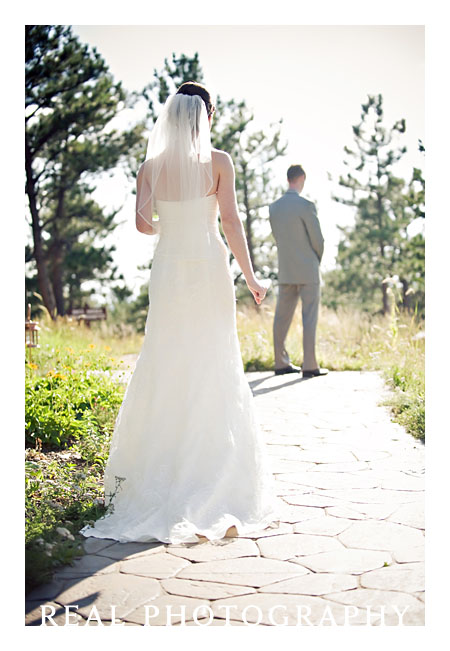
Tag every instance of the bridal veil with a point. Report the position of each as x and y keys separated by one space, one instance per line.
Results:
x=178 y=165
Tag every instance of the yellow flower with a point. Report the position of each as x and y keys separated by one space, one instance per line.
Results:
x=50 y=373
x=61 y=376
x=91 y=346
x=70 y=350
x=107 y=347
x=32 y=365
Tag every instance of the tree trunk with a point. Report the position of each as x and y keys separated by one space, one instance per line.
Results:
x=385 y=299
x=57 y=258
x=45 y=287
x=406 y=298
x=57 y=282
x=70 y=300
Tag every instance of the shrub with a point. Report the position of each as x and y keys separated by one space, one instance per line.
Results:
x=71 y=400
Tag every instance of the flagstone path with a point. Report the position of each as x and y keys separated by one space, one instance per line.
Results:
x=349 y=548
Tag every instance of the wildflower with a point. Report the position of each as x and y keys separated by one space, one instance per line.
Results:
x=91 y=346
x=32 y=365
x=107 y=347
x=70 y=350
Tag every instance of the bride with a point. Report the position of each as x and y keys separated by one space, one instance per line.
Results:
x=187 y=461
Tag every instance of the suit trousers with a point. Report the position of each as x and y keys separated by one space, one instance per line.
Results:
x=288 y=296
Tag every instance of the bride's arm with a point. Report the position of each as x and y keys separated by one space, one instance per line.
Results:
x=232 y=225
x=144 y=216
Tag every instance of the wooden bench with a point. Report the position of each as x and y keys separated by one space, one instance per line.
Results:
x=87 y=314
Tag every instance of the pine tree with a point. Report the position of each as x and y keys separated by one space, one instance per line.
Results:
x=166 y=81
x=71 y=100
x=373 y=249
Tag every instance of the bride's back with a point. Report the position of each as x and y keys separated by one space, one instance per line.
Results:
x=189 y=229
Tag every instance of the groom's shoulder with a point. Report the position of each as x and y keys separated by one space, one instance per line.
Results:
x=275 y=203
x=291 y=197
x=306 y=202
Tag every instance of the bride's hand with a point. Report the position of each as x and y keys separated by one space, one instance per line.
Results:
x=257 y=289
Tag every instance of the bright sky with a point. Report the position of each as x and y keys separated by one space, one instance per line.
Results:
x=314 y=77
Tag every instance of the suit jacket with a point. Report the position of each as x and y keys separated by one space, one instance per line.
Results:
x=299 y=238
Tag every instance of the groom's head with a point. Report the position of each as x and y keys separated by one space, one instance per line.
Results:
x=296 y=177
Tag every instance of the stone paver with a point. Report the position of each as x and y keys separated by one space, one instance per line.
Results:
x=254 y=572
x=232 y=548
x=296 y=544
x=394 y=604
x=350 y=561
x=158 y=566
x=406 y=577
x=313 y=584
x=35 y=615
x=375 y=534
x=122 y=551
x=88 y=565
x=286 y=609
x=411 y=514
x=167 y=610
x=126 y=592
x=349 y=548
x=409 y=554
x=204 y=589
x=323 y=526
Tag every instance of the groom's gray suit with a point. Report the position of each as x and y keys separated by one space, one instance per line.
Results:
x=300 y=248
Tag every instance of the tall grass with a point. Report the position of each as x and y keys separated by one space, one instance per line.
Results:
x=64 y=333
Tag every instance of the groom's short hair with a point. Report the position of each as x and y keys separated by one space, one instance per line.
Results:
x=294 y=172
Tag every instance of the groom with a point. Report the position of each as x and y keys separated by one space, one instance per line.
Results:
x=299 y=239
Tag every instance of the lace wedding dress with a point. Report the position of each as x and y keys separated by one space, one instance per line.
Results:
x=187 y=455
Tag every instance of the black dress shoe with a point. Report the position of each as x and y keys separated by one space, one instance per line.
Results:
x=316 y=372
x=287 y=369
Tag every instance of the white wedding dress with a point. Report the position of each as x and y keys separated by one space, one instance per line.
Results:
x=187 y=455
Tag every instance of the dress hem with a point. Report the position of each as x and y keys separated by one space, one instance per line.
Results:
x=191 y=535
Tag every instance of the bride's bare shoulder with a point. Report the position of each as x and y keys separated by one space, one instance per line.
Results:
x=221 y=159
